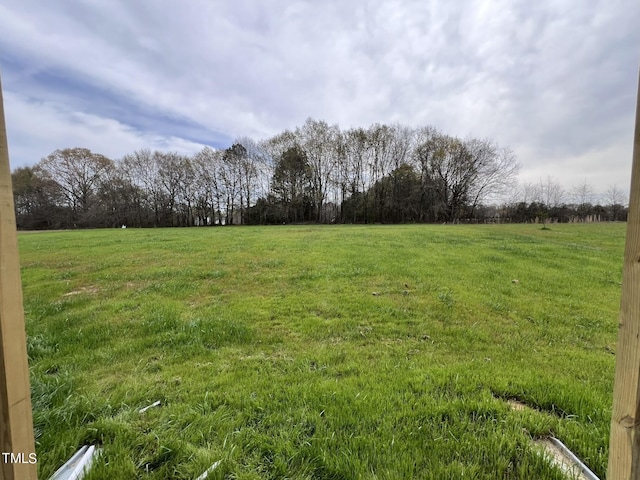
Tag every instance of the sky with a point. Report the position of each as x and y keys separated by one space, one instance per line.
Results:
x=554 y=80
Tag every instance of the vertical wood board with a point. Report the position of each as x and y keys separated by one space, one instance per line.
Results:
x=16 y=427
x=624 y=444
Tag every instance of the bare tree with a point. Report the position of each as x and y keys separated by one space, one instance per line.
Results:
x=319 y=141
x=121 y=201
x=141 y=169
x=173 y=170
x=616 y=202
x=265 y=164
x=423 y=153
x=616 y=196
x=551 y=192
x=531 y=193
x=495 y=170
x=583 y=193
x=449 y=171
x=79 y=173
x=187 y=196
x=272 y=150
x=231 y=181
x=379 y=160
x=37 y=200
x=252 y=166
x=583 y=196
x=207 y=165
x=351 y=173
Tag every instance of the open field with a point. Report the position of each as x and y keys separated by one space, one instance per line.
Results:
x=330 y=352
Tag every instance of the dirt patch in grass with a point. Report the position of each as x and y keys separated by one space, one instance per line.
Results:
x=516 y=405
x=90 y=290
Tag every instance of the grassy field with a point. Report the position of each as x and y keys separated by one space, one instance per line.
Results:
x=329 y=352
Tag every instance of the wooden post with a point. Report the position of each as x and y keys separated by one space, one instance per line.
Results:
x=17 y=449
x=624 y=444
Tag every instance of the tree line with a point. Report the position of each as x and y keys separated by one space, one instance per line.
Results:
x=315 y=173
x=546 y=201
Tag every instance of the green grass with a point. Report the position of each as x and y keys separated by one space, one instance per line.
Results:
x=330 y=352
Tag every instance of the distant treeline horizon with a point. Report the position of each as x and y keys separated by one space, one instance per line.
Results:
x=316 y=173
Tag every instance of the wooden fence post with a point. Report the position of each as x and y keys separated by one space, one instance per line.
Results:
x=17 y=448
x=624 y=444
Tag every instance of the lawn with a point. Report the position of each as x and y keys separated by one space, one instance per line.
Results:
x=329 y=352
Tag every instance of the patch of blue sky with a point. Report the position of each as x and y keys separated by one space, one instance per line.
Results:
x=79 y=94
x=89 y=97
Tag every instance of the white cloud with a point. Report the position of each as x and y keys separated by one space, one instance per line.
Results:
x=65 y=129
x=600 y=168
x=551 y=79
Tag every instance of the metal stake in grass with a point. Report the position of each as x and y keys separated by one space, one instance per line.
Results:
x=78 y=465
x=624 y=444
x=16 y=420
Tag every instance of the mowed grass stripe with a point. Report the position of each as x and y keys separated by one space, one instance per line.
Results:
x=322 y=351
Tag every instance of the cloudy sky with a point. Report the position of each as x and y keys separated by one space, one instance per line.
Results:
x=554 y=80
